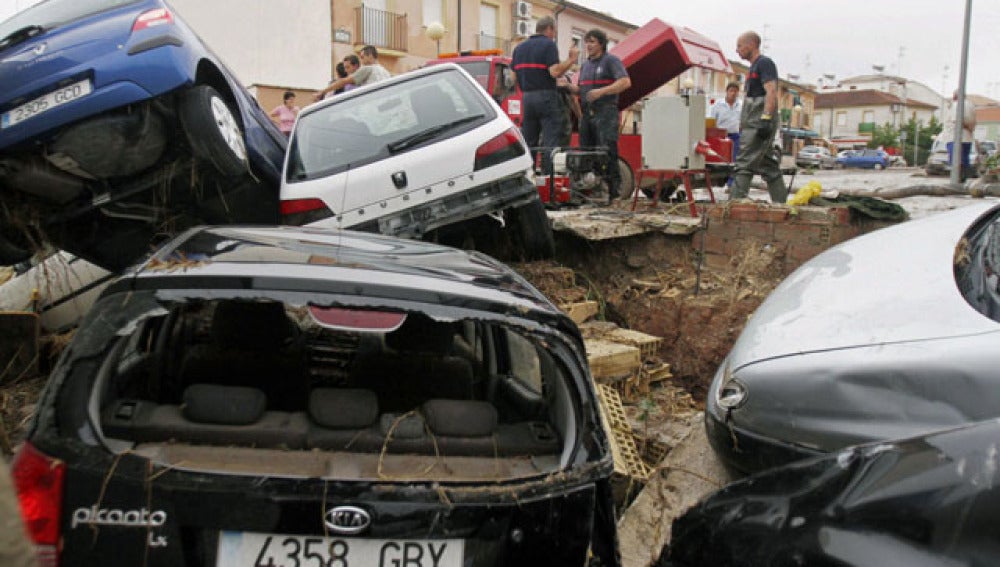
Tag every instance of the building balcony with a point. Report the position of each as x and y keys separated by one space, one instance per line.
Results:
x=484 y=41
x=866 y=127
x=380 y=28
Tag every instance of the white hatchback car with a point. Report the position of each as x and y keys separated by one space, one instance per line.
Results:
x=426 y=154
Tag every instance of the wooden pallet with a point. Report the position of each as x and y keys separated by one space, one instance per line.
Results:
x=581 y=311
x=648 y=345
x=631 y=472
x=611 y=361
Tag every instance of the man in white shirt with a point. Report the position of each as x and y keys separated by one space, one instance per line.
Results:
x=369 y=72
x=726 y=113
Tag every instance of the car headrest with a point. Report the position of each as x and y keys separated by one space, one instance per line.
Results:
x=223 y=405
x=460 y=418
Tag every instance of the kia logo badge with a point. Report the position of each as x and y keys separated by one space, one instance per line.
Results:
x=399 y=179
x=347 y=520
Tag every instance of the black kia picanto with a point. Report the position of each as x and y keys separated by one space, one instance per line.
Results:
x=288 y=397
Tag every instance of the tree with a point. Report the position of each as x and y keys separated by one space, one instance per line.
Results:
x=923 y=135
x=885 y=136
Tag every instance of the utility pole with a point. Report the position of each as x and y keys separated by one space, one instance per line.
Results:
x=944 y=92
x=956 y=154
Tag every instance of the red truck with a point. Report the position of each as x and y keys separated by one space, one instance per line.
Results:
x=653 y=55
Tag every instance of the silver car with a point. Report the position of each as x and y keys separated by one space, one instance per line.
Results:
x=885 y=336
x=815 y=157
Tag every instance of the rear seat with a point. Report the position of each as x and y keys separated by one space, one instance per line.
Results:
x=211 y=414
x=472 y=428
x=338 y=419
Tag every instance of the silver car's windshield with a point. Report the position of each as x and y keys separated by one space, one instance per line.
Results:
x=373 y=125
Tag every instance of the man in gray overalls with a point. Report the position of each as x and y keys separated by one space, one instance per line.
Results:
x=758 y=123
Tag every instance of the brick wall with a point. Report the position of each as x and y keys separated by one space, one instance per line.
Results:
x=799 y=233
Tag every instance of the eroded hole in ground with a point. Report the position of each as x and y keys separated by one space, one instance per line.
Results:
x=654 y=283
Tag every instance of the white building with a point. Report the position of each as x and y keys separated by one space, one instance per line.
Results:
x=899 y=86
x=281 y=43
x=854 y=113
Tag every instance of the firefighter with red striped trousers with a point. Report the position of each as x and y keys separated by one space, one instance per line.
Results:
x=602 y=77
x=536 y=65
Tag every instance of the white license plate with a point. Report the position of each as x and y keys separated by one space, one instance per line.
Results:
x=45 y=103
x=246 y=549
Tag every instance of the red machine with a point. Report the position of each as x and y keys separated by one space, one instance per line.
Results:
x=653 y=55
x=491 y=68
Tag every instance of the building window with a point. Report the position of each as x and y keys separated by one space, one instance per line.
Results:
x=841 y=119
x=869 y=116
x=576 y=39
x=488 y=19
x=433 y=11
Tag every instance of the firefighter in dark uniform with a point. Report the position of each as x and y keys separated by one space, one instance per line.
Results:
x=536 y=65
x=758 y=123
x=601 y=78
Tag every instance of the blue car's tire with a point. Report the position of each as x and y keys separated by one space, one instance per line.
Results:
x=213 y=130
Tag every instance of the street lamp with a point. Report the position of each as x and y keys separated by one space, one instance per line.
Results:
x=434 y=32
x=687 y=85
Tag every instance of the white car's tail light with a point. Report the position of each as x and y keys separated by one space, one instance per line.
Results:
x=504 y=147
x=300 y=212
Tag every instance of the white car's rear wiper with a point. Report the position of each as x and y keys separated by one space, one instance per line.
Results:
x=23 y=34
x=429 y=133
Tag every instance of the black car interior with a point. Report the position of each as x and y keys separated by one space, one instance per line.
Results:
x=256 y=374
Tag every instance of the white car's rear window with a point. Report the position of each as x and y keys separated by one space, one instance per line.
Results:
x=384 y=121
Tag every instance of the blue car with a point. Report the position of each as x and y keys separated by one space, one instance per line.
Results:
x=118 y=126
x=866 y=159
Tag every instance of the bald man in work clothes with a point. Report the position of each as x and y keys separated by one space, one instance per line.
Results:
x=758 y=123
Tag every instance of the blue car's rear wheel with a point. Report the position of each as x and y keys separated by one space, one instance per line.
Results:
x=213 y=130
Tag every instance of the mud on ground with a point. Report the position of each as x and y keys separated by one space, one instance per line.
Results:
x=653 y=283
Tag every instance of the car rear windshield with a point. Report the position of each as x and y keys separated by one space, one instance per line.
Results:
x=55 y=13
x=384 y=121
x=385 y=385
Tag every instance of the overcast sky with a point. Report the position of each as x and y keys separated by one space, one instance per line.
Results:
x=810 y=38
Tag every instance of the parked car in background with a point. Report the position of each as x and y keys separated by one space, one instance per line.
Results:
x=846 y=153
x=117 y=125
x=939 y=162
x=816 y=157
x=816 y=370
x=865 y=159
x=928 y=500
x=266 y=396
x=426 y=154
x=988 y=148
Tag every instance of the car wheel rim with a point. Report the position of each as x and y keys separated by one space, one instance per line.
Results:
x=228 y=127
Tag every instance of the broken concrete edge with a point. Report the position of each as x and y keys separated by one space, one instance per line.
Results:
x=689 y=472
